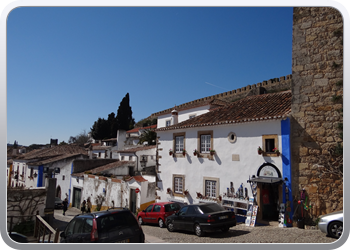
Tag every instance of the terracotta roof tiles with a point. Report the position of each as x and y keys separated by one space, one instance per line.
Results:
x=251 y=108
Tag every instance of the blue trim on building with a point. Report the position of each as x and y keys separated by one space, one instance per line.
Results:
x=40 y=176
x=287 y=169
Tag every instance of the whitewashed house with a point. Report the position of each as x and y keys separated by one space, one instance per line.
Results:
x=55 y=162
x=133 y=135
x=227 y=167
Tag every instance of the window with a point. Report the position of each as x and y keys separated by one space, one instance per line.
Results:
x=269 y=142
x=167 y=123
x=205 y=143
x=210 y=188
x=192 y=116
x=156 y=208
x=130 y=158
x=269 y=145
x=178 y=185
x=149 y=208
x=232 y=137
x=122 y=157
x=179 y=144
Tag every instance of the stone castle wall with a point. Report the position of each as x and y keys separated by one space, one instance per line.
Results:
x=272 y=85
x=317 y=88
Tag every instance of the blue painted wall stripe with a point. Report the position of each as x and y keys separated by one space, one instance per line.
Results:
x=286 y=160
x=40 y=176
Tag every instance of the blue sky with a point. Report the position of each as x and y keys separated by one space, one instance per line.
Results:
x=68 y=66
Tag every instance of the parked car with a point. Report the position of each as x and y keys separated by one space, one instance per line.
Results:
x=58 y=203
x=110 y=226
x=201 y=218
x=18 y=237
x=332 y=224
x=157 y=213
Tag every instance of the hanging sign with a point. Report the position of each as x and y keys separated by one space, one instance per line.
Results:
x=137 y=190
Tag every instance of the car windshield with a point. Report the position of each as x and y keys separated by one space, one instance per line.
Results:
x=210 y=208
x=172 y=207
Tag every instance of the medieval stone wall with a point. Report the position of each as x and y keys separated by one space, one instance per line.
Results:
x=317 y=88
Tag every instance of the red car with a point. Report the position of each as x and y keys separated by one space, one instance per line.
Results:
x=157 y=213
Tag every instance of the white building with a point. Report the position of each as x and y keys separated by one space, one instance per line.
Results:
x=227 y=167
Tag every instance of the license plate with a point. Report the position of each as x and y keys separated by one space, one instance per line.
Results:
x=223 y=217
x=123 y=241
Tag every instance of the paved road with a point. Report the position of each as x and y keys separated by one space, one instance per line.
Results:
x=243 y=234
x=238 y=234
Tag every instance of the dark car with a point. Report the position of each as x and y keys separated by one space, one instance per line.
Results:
x=58 y=203
x=157 y=213
x=110 y=226
x=201 y=218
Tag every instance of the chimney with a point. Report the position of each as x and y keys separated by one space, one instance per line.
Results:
x=174 y=116
x=53 y=142
x=121 y=138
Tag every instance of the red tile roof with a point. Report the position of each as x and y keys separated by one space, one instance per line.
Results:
x=139 y=128
x=137 y=178
x=53 y=152
x=106 y=167
x=251 y=108
x=136 y=149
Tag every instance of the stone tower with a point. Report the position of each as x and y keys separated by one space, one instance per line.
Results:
x=317 y=107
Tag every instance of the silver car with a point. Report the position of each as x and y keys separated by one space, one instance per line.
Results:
x=332 y=224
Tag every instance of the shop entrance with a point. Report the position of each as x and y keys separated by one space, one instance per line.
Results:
x=269 y=201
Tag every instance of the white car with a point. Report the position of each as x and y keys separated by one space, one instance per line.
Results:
x=332 y=224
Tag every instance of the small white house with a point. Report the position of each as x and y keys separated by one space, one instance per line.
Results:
x=214 y=157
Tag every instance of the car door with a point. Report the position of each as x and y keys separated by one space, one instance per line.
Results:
x=148 y=215
x=180 y=218
x=189 y=219
x=155 y=214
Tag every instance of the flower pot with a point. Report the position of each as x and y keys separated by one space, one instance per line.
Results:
x=260 y=152
x=278 y=154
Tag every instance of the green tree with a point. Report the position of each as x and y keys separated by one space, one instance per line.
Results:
x=100 y=130
x=149 y=136
x=124 y=118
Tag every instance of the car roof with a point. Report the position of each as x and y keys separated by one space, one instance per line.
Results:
x=104 y=212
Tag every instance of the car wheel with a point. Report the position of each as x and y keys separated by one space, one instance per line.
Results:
x=140 y=221
x=335 y=229
x=170 y=226
x=161 y=223
x=198 y=230
x=225 y=229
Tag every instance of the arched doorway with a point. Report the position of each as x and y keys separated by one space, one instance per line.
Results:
x=269 y=195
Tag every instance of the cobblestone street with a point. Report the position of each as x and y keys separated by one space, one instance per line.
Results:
x=243 y=234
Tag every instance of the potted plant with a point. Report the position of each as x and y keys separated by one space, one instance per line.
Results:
x=168 y=190
x=260 y=151
x=184 y=152
x=170 y=152
x=195 y=152
x=276 y=151
x=186 y=192
x=199 y=195
x=212 y=151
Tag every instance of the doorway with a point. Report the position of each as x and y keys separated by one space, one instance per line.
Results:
x=133 y=200
x=269 y=201
x=76 y=197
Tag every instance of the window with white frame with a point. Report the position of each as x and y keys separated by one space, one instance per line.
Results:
x=167 y=123
x=210 y=188
x=205 y=143
x=179 y=144
x=178 y=184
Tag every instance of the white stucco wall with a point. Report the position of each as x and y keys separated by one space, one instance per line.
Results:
x=183 y=115
x=223 y=167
